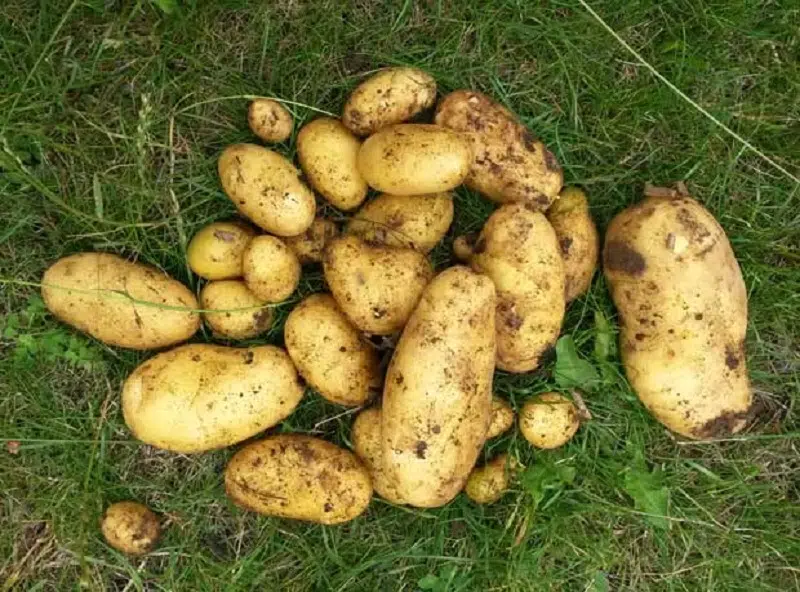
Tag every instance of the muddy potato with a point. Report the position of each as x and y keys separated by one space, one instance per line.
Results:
x=119 y=302
x=488 y=483
x=269 y=120
x=463 y=246
x=502 y=418
x=683 y=315
x=310 y=245
x=413 y=159
x=215 y=252
x=227 y=295
x=437 y=397
x=130 y=527
x=202 y=397
x=271 y=269
x=509 y=163
x=393 y=95
x=376 y=287
x=266 y=188
x=548 y=420
x=300 y=477
x=366 y=438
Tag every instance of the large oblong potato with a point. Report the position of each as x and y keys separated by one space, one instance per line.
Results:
x=310 y=245
x=201 y=397
x=215 y=252
x=299 y=477
x=366 y=436
x=683 y=315
x=437 y=397
x=226 y=296
x=413 y=159
x=266 y=188
x=119 y=302
x=271 y=269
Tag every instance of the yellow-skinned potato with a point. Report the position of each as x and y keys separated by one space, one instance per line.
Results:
x=299 y=477
x=510 y=164
x=266 y=188
x=215 y=252
x=327 y=152
x=502 y=418
x=463 y=246
x=488 y=483
x=269 y=120
x=413 y=159
x=271 y=269
x=577 y=239
x=367 y=446
x=226 y=296
x=519 y=250
x=310 y=245
x=393 y=95
x=118 y=302
x=437 y=397
x=376 y=287
x=130 y=527
x=549 y=420
x=201 y=397
x=330 y=353
x=415 y=221
x=683 y=315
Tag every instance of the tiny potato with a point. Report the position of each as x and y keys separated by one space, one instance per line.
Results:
x=271 y=269
x=488 y=483
x=464 y=246
x=366 y=436
x=227 y=295
x=130 y=527
x=310 y=245
x=269 y=120
x=549 y=420
x=215 y=252
x=502 y=418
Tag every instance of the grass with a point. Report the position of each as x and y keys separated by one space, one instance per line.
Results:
x=112 y=115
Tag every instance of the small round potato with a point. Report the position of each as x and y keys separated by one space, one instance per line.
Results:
x=269 y=120
x=549 y=420
x=227 y=296
x=366 y=437
x=464 y=246
x=215 y=252
x=310 y=245
x=502 y=418
x=130 y=527
x=488 y=483
x=271 y=269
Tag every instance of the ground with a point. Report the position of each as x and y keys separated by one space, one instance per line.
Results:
x=112 y=115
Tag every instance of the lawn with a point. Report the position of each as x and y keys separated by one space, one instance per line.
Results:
x=112 y=115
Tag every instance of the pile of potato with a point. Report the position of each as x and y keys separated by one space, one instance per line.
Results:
x=426 y=418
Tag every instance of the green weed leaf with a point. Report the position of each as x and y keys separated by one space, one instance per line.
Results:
x=603 y=338
x=648 y=492
x=571 y=370
x=167 y=6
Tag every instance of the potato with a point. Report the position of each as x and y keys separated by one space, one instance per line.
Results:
x=502 y=418
x=509 y=164
x=518 y=249
x=683 y=315
x=310 y=245
x=201 y=397
x=418 y=221
x=437 y=398
x=269 y=120
x=226 y=296
x=130 y=527
x=266 y=188
x=215 y=252
x=367 y=446
x=464 y=246
x=118 y=302
x=393 y=95
x=300 y=477
x=413 y=159
x=271 y=269
x=327 y=152
x=376 y=287
x=330 y=353
x=488 y=483
x=548 y=420
x=577 y=238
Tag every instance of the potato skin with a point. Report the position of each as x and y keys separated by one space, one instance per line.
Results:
x=310 y=245
x=518 y=249
x=366 y=436
x=232 y=294
x=299 y=477
x=130 y=527
x=86 y=290
x=488 y=483
x=330 y=353
x=437 y=396
x=215 y=252
x=413 y=159
x=502 y=418
x=682 y=304
x=201 y=397
x=393 y=95
x=376 y=287
x=269 y=120
x=510 y=164
x=548 y=420
x=464 y=246
x=266 y=188
x=271 y=269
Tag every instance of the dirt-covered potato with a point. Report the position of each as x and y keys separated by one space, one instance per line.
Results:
x=509 y=163
x=502 y=418
x=226 y=296
x=310 y=245
x=577 y=239
x=327 y=152
x=215 y=252
x=130 y=527
x=330 y=353
x=120 y=303
x=271 y=269
x=376 y=287
x=366 y=437
x=415 y=221
x=300 y=477
x=683 y=315
x=413 y=159
x=266 y=188
x=437 y=397
x=201 y=397
x=548 y=420
x=393 y=95
x=269 y=120
x=519 y=250
x=488 y=483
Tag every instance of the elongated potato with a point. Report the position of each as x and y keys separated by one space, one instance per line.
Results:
x=437 y=398
x=683 y=315
x=310 y=245
x=130 y=527
x=269 y=120
x=215 y=252
x=226 y=296
x=518 y=249
x=367 y=446
x=549 y=420
x=271 y=269
x=118 y=302
x=300 y=477
x=488 y=483
x=413 y=159
x=200 y=397
x=266 y=188
x=502 y=418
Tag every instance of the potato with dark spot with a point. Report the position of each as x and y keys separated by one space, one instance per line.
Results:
x=130 y=527
x=271 y=269
x=489 y=483
x=241 y=314
x=299 y=477
x=310 y=245
x=549 y=420
x=502 y=418
x=269 y=120
x=464 y=246
x=366 y=438
x=215 y=252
